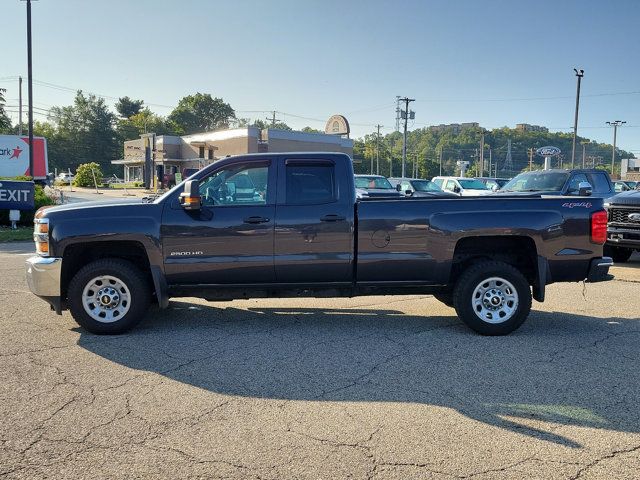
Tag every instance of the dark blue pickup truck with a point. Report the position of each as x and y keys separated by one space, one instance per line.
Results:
x=283 y=225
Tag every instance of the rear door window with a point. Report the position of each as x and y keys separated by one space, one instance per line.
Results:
x=599 y=182
x=310 y=183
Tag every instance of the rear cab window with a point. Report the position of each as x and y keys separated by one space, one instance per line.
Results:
x=599 y=182
x=310 y=182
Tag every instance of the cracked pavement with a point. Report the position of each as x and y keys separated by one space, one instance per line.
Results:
x=364 y=388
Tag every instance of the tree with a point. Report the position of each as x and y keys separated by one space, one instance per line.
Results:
x=144 y=122
x=88 y=175
x=127 y=107
x=311 y=130
x=84 y=132
x=5 y=121
x=201 y=112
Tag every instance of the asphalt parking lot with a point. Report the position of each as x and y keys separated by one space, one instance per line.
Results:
x=366 y=388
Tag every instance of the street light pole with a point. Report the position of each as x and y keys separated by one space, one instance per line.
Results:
x=615 y=124
x=579 y=74
x=30 y=89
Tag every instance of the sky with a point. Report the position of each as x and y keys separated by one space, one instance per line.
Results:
x=494 y=62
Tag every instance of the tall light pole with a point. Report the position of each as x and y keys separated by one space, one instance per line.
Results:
x=406 y=101
x=615 y=124
x=30 y=89
x=579 y=74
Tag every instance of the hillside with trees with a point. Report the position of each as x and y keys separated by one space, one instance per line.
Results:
x=89 y=131
x=424 y=146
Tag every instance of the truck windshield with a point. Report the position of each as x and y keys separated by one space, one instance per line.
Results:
x=537 y=182
x=472 y=184
x=425 y=186
x=373 y=182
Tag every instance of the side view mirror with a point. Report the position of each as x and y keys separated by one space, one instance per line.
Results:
x=408 y=193
x=456 y=189
x=190 y=198
x=585 y=189
x=398 y=188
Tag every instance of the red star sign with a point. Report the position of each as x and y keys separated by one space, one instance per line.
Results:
x=16 y=153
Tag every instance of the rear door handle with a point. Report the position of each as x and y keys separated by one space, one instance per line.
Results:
x=332 y=218
x=256 y=219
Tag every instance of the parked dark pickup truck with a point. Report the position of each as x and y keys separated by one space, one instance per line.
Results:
x=624 y=225
x=276 y=225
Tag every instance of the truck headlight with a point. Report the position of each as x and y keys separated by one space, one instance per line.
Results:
x=41 y=236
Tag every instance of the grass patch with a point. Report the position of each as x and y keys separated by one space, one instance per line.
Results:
x=21 y=234
x=120 y=186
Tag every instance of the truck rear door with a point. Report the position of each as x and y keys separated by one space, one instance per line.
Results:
x=314 y=220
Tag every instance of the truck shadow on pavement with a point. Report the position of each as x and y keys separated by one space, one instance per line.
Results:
x=559 y=369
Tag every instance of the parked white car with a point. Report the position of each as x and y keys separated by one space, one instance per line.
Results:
x=65 y=177
x=465 y=187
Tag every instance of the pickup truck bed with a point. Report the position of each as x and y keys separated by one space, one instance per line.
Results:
x=289 y=225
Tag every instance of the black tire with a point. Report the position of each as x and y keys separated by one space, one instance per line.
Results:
x=139 y=295
x=619 y=254
x=446 y=298
x=472 y=278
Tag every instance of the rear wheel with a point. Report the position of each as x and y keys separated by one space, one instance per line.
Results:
x=108 y=296
x=492 y=298
x=619 y=254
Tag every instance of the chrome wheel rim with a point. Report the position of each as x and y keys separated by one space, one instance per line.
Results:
x=495 y=300
x=106 y=299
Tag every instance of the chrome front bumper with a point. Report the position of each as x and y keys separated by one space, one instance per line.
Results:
x=43 y=275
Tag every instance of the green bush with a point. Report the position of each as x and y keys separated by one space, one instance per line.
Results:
x=26 y=216
x=84 y=175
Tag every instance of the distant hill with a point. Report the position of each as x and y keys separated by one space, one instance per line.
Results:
x=425 y=145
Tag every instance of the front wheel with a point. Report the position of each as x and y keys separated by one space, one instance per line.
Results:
x=492 y=298
x=108 y=296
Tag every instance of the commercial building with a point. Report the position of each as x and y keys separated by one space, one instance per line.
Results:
x=525 y=127
x=172 y=154
x=630 y=169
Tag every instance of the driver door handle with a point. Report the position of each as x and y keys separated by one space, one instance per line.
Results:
x=332 y=218
x=256 y=219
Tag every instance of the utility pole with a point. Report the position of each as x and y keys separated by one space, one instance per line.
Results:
x=440 y=161
x=371 y=166
x=584 y=153
x=481 y=159
x=579 y=74
x=530 y=159
x=273 y=118
x=397 y=113
x=19 y=105
x=406 y=114
x=615 y=124
x=378 y=150
x=30 y=88
x=490 y=160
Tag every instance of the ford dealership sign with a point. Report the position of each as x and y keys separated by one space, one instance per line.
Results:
x=548 y=151
x=16 y=195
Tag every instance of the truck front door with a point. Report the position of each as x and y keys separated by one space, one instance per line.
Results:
x=230 y=239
